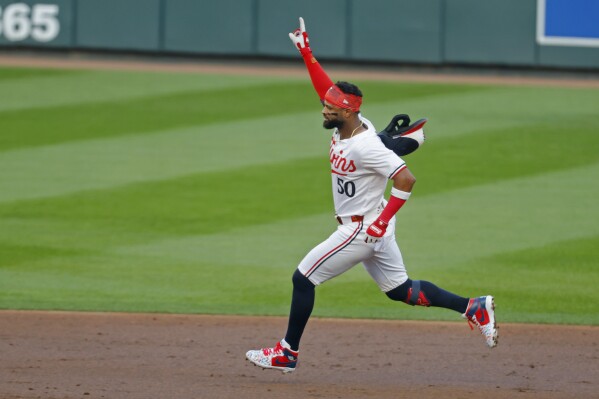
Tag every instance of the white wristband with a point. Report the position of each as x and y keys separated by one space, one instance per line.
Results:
x=404 y=195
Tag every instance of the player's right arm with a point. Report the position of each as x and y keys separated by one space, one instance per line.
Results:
x=403 y=182
x=320 y=80
x=400 y=142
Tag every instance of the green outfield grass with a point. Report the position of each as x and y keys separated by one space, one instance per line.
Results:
x=191 y=193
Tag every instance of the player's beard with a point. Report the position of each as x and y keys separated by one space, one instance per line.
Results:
x=332 y=123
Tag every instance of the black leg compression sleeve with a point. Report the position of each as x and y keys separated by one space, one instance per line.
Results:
x=302 y=303
x=424 y=293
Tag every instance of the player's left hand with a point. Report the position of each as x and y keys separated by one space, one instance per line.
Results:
x=300 y=38
x=376 y=231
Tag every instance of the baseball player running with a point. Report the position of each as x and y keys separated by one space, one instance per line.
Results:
x=360 y=168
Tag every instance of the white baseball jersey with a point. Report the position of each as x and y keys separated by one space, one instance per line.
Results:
x=361 y=167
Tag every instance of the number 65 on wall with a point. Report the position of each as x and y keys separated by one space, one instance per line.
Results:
x=19 y=21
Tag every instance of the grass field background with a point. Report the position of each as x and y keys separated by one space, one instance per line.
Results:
x=197 y=193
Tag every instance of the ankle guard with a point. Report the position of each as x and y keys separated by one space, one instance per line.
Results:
x=416 y=296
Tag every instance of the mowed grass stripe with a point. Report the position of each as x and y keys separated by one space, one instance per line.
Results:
x=442 y=164
x=212 y=273
x=128 y=284
x=279 y=244
x=41 y=237
x=486 y=156
x=501 y=216
x=201 y=204
x=511 y=109
x=305 y=184
x=435 y=232
x=100 y=164
x=139 y=116
x=528 y=286
x=523 y=282
x=535 y=276
x=13 y=74
x=51 y=125
x=52 y=88
x=22 y=252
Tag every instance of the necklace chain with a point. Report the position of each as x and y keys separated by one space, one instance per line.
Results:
x=352 y=133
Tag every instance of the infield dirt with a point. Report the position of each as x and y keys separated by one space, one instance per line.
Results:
x=107 y=355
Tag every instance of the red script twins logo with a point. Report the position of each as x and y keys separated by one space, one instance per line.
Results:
x=341 y=165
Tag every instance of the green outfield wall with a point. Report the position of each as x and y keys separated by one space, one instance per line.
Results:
x=438 y=32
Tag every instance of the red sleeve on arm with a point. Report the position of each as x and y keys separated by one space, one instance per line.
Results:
x=320 y=80
x=391 y=209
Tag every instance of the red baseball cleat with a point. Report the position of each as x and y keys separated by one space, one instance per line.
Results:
x=281 y=357
x=481 y=311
